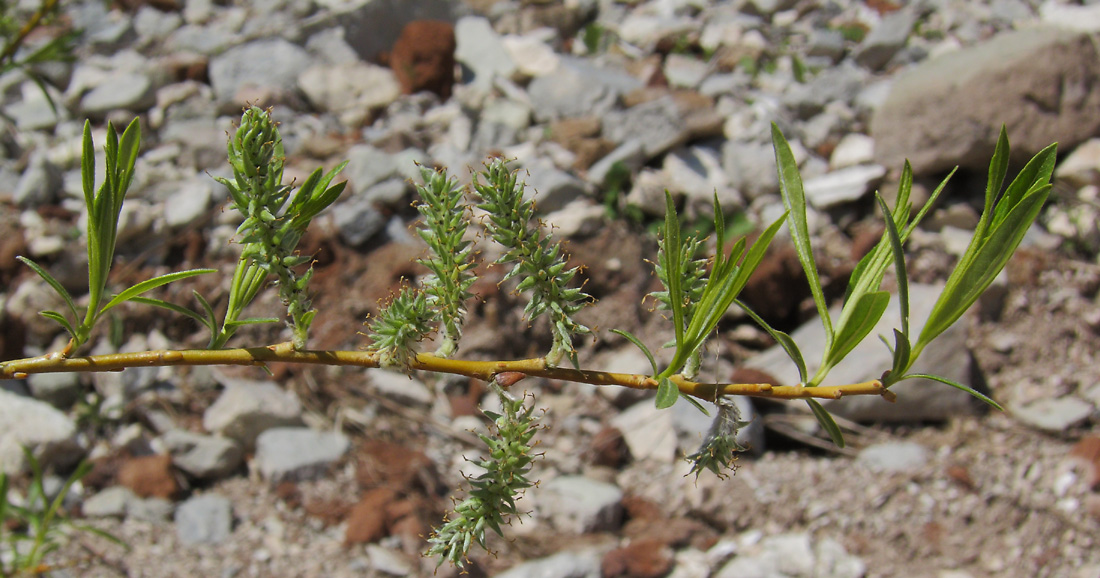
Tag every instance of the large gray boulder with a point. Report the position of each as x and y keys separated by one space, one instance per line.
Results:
x=1043 y=83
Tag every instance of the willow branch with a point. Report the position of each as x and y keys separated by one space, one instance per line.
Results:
x=484 y=370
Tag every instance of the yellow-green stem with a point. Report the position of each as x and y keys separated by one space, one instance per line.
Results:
x=484 y=370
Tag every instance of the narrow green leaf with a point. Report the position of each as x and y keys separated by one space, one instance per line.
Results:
x=727 y=266
x=316 y=196
x=54 y=315
x=719 y=226
x=998 y=169
x=858 y=272
x=175 y=308
x=756 y=254
x=57 y=286
x=899 y=265
x=150 y=284
x=902 y=207
x=128 y=149
x=638 y=343
x=675 y=272
x=889 y=347
x=866 y=312
x=928 y=205
x=667 y=393
x=110 y=151
x=81 y=470
x=827 y=422
x=87 y=170
x=103 y=534
x=1036 y=173
x=251 y=321
x=696 y=403
x=207 y=309
x=794 y=199
x=956 y=385
x=4 y=485
x=783 y=339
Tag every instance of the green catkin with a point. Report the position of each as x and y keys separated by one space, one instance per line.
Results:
x=492 y=498
x=399 y=327
x=537 y=261
x=452 y=261
x=719 y=449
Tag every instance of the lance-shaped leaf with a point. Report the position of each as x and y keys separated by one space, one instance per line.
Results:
x=794 y=199
x=865 y=313
x=827 y=422
x=54 y=283
x=149 y=285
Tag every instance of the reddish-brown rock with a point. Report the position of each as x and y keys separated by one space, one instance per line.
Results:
x=674 y=532
x=423 y=58
x=639 y=508
x=289 y=493
x=1086 y=455
x=331 y=512
x=412 y=531
x=149 y=477
x=104 y=473
x=640 y=559
x=367 y=520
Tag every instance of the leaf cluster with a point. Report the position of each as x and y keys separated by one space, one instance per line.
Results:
x=103 y=207
x=698 y=299
x=1003 y=222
